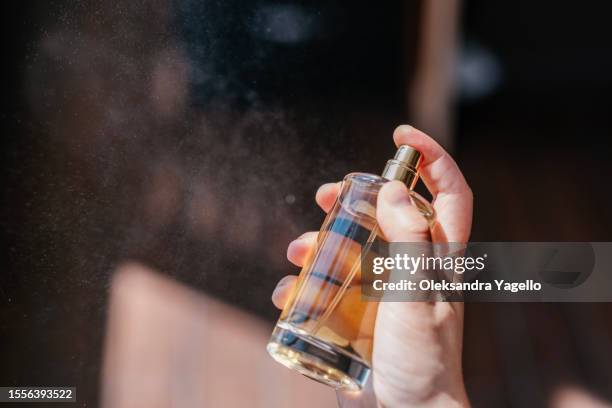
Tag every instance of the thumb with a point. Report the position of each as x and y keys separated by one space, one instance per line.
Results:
x=398 y=217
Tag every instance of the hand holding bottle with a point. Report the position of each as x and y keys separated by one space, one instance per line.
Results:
x=417 y=345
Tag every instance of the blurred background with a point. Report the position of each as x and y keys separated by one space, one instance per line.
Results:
x=160 y=155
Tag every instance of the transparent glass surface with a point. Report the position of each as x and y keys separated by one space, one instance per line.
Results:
x=326 y=329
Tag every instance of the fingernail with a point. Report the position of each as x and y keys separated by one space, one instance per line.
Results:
x=283 y=282
x=280 y=286
x=404 y=128
x=300 y=238
x=325 y=187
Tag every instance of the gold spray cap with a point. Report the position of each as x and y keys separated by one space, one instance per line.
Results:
x=404 y=166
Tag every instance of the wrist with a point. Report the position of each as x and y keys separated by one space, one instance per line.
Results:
x=452 y=396
x=444 y=394
x=455 y=397
x=450 y=393
x=456 y=400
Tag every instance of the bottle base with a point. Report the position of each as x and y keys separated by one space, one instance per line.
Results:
x=317 y=360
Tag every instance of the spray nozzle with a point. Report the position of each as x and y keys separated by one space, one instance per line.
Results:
x=404 y=166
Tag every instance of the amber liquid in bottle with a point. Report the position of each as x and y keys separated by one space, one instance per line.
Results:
x=326 y=329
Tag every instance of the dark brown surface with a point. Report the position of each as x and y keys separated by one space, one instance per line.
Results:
x=520 y=354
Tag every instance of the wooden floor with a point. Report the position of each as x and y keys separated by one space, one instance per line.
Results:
x=168 y=346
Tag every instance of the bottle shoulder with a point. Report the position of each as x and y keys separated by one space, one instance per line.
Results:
x=372 y=183
x=368 y=178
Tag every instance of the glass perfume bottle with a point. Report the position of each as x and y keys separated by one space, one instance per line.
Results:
x=326 y=330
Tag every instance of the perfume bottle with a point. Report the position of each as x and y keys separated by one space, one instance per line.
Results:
x=326 y=330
